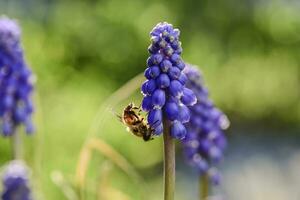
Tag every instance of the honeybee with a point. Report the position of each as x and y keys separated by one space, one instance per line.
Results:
x=135 y=123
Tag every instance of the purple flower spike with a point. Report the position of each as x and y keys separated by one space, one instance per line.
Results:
x=16 y=81
x=205 y=128
x=15 y=182
x=166 y=81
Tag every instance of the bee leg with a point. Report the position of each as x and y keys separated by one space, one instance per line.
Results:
x=154 y=124
x=140 y=110
x=136 y=107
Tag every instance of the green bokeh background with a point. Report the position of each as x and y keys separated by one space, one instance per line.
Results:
x=82 y=51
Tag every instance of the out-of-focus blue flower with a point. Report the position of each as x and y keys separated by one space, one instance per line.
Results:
x=16 y=80
x=15 y=182
x=164 y=91
x=205 y=140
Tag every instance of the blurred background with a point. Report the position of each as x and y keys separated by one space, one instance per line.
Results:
x=83 y=51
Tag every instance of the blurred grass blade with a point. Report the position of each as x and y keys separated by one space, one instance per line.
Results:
x=112 y=193
x=82 y=166
x=105 y=191
x=107 y=151
x=58 y=179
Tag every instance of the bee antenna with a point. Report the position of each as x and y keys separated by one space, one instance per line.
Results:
x=116 y=114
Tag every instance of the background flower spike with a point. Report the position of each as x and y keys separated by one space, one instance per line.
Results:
x=205 y=141
x=15 y=179
x=16 y=80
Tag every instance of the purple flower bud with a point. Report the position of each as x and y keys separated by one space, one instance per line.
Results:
x=29 y=126
x=154 y=72
x=8 y=101
x=168 y=50
x=176 y=45
x=163 y=81
x=147 y=73
x=165 y=65
x=215 y=154
x=175 y=58
x=205 y=146
x=149 y=87
x=178 y=50
x=174 y=73
x=214 y=176
x=7 y=128
x=147 y=103
x=223 y=122
x=180 y=65
x=176 y=88
x=171 y=110
x=176 y=32
x=201 y=164
x=182 y=79
x=162 y=44
x=20 y=115
x=188 y=98
x=220 y=141
x=184 y=114
x=198 y=108
x=9 y=32
x=155 y=39
x=159 y=129
x=178 y=131
x=152 y=49
x=144 y=88
x=155 y=117
x=157 y=58
x=207 y=126
x=196 y=121
x=158 y=98
x=154 y=59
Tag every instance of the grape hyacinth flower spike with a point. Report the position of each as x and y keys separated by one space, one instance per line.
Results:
x=16 y=80
x=15 y=179
x=166 y=97
x=205 y=141
x=165 y=94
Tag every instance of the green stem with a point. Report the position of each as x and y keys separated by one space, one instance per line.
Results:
x=169 y=163
x=16 y=145
x=203 y=187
